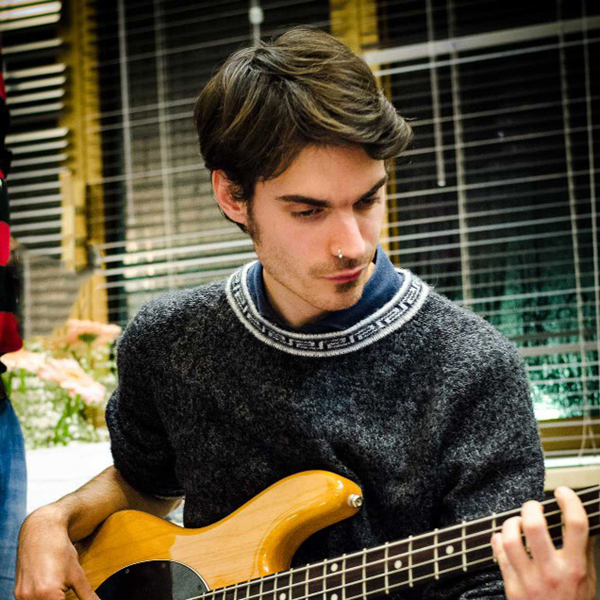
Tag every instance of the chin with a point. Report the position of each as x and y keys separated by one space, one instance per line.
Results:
x=343 y=300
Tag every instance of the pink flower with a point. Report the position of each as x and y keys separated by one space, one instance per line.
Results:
x=90 y=331
x=68 y=373
x=90 y=393
x=23 y=359
x=62 y=369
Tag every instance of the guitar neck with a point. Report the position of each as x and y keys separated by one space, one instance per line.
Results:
x=406 y=563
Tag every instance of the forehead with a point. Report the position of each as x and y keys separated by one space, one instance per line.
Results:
x=328 y=172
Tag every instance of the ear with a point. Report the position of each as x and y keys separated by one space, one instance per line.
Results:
x=233 y=208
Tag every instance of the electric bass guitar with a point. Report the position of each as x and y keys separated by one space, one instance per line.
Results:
x=247 y=555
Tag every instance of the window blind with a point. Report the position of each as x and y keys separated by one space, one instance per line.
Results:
x=36 y=79
x=163 y=228
x=496 y=203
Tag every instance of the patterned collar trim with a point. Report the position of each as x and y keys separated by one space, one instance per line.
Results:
x=390 y=317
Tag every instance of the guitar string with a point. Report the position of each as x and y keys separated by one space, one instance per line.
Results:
x=391 y=545
x=274 y=576
x=416 y=538
x=359 y=567
x=378 y=590
x=370 y=592
x=363 y=580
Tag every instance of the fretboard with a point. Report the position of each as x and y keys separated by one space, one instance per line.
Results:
x=406 y=563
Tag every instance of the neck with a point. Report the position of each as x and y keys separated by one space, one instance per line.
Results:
x=406 y=563
x=291 y=309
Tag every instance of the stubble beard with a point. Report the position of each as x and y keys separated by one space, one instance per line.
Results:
x=334 y=303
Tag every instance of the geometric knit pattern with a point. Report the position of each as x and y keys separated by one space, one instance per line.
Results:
x=390 y=317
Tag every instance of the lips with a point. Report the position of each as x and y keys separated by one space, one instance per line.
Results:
x=345 y=276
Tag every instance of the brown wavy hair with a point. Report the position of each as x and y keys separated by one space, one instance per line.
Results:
x=267 y=102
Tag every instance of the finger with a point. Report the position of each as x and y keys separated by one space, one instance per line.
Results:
x=575 y=520
x=81 y=586
x=509 y=575
x=513 y=545
x=500 y=556
x=536 y=533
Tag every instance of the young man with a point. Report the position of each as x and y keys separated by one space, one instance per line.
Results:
x=319 y=356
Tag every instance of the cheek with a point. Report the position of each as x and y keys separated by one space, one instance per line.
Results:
x=372 y=227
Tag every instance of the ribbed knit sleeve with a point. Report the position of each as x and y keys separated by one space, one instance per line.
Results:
x=140 y=446
x=492 y=459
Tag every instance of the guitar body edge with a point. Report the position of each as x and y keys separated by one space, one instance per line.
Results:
x=258 y=539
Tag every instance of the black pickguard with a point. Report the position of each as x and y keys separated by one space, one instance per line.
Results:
x=153 y=580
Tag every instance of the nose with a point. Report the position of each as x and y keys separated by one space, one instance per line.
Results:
x=347 y=237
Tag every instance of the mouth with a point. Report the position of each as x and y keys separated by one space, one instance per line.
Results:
x=345 y=276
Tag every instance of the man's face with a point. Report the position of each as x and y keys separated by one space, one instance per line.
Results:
x=329 y=199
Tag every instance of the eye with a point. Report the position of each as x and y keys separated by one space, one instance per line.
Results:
x=367 y=202
x=307 y=214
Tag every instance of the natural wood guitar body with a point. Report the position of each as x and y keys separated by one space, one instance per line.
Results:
x=247 y=555
x=258 y=539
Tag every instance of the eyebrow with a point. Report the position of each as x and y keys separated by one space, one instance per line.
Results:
x=325 y=203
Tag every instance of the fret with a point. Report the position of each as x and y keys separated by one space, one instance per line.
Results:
x=386 y=559
x=335 y=576
x=463 y=530
x=291 y=584
x=306 y=580
x=315 y=583
x=397 y=564
x=410 y=562
x=278 y=593
x=229 y=592
x=494 y=527
x=254 y=589
x=364 y=573
x=297 y=579
x=353 y=576
x=436 y=566
x=449 y=554
x=477 y=542
x=376 y=580
x=268 y=588
x=423 y=563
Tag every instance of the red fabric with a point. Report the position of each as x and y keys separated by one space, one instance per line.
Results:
x=4 y=243
x=9 y=336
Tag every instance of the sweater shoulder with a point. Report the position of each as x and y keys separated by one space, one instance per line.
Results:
x=457 y=335
x=163 y=319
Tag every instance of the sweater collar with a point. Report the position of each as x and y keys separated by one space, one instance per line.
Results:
x=381 y=287
x=394 y=313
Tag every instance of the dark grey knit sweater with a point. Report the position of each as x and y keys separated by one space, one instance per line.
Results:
x=424 y=405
